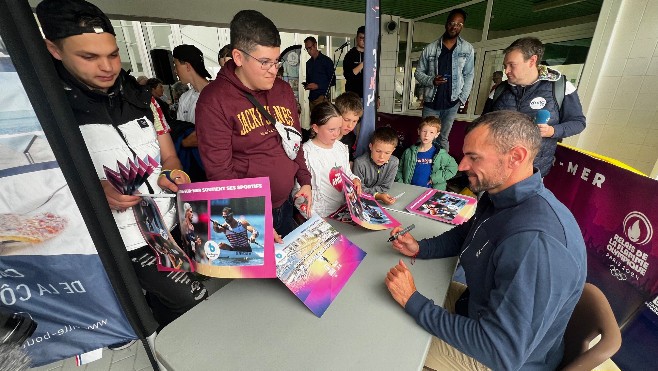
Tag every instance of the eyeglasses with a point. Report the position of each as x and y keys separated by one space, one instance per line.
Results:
x=266 y=64
x=455 y=24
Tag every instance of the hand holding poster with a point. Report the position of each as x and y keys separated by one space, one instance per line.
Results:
x=364 y=209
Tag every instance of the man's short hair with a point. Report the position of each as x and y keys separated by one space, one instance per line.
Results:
x=498 y=73
x=386 y=135
x=250 y=28
x=459 y=11
x=528 y=46
x=361 y=30
x=432 y=121
x=349 y=102
x=311 y=39
x=153 y=83
x=509 y=129
x=227 y=210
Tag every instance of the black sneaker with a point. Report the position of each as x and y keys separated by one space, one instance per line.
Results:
x=121 y=346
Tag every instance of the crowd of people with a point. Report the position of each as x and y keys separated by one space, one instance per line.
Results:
x=522 y=252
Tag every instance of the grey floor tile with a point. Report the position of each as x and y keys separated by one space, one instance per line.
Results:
x=125 y=364
x=49 y=367
x=118 y=355
x=70 y=365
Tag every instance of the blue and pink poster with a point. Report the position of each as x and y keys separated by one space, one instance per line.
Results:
x=315 y=262
x=50 y=271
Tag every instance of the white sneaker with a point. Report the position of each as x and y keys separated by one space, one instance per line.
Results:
x=121 y=346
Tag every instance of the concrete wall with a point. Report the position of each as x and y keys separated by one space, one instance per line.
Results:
x=619 y=88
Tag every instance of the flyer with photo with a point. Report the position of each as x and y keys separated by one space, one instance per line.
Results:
x=444 y=206
x=365 y=210
x=226 y=227
x=315 y=262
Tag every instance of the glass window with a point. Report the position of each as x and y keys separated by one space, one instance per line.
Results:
x=337 y=56
x=493 y=61
x=161 y=35
x=400 y=71
x=430 y=29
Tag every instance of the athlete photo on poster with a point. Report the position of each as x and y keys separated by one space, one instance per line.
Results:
x=170 y=257
x=364 y=210
x=443 y=206
x=227 y=227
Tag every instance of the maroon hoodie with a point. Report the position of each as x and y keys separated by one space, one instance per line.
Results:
x=236 y=141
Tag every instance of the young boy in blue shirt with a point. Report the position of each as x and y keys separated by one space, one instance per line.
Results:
x=426 y=164
x=378 y=168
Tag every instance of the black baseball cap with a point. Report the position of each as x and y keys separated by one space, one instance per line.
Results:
x=192 y=55
x=64 y=18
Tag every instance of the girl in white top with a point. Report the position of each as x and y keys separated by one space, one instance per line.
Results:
x=324 y=156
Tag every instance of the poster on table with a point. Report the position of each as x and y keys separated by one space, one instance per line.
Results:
x=44 y=242
x=616 y=211
x=315 y=262
x=226 y=227
x=364 y=210
x=443 y=206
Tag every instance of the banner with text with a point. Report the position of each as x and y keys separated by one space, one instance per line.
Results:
x=370 y=66
x=49 y=268
x=615 y=209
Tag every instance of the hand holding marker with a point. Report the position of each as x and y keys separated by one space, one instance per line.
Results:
x=403 y=231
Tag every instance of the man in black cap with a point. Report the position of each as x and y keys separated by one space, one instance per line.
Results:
x=191 y=69
x=119 y=119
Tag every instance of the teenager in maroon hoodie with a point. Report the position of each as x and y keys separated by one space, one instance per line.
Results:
x=235 y=140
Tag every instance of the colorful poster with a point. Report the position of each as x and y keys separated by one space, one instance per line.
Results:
x=50 y=271
x=343 y=215
x=227 y=227
x=315 y=262
x=443 y=206
x=616 y=211
x=364 y=210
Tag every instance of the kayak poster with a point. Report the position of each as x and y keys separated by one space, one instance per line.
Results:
x=443 y=206
x=315 y=262
x=226 y=227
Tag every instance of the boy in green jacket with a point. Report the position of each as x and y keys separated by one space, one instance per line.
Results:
x=426 y=164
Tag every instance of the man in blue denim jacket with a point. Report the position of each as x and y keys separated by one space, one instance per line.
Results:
x=445 y=70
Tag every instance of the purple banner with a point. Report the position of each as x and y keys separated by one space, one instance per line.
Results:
x=615 y=209
x=370 y=65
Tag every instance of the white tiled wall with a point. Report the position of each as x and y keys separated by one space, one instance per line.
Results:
x=622 y=113
x=388 y=60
